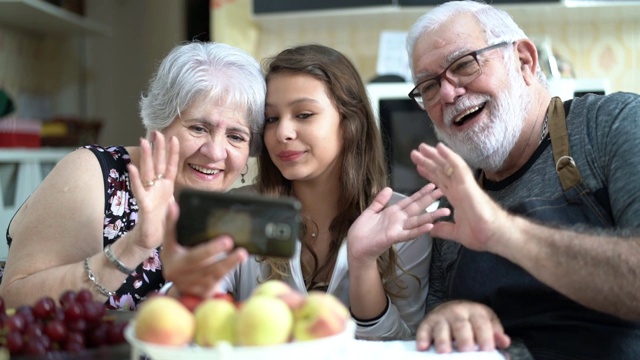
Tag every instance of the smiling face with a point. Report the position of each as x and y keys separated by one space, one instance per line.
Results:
x=302 y=129
x=214 y=145
x=483 y=119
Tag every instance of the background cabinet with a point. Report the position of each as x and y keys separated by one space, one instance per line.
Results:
x=21 y=171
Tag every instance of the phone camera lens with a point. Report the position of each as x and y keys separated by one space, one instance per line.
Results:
x=278 y=231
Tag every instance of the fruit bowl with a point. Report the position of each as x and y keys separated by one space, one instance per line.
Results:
x=330 y=347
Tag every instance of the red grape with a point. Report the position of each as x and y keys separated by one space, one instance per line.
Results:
x=115 y=333
x=44 y=308
x=73 y=312
x=84 y=296
x=34 y=347
x=68 y=296
x=16 y=323
x=56 y=331
x=93 y=311
x=14 y=342
x=77 y=322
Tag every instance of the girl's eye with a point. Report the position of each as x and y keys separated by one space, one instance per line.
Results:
x=270 y=119
x=305 y=115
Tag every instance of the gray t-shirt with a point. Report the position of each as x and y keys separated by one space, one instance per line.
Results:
x=604 y=138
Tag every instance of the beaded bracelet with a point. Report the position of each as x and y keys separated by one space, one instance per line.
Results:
x=92 y=277
x=115 y=261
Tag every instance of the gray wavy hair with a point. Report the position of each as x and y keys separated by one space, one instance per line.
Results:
x=205 y=69
x=498 y=26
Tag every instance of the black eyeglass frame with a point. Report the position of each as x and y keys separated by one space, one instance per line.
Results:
x=415 y=94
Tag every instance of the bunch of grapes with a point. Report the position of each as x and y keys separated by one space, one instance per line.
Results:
x=76 y=323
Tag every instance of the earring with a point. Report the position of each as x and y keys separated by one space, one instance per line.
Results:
x=244 y=173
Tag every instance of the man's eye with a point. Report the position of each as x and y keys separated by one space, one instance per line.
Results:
x=464 y=66
x=429 y=87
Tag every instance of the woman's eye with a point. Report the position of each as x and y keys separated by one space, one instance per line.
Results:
x=198 y=128
x=236 y=138
x=305 y=115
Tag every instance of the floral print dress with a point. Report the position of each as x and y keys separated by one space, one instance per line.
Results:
x=120 y=216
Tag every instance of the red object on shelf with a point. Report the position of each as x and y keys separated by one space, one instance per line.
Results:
x=19 y=140
x=16 y=132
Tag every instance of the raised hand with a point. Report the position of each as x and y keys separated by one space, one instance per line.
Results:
x=477 y=218
x=153 y=186
x=379 y=227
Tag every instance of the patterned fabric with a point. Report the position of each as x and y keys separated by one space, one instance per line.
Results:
x=120 y=216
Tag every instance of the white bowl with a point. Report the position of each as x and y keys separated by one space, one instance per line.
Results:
x=330 y=347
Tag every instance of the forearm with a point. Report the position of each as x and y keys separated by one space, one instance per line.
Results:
x=366 y=293
x=597 y=270
x=21 y=285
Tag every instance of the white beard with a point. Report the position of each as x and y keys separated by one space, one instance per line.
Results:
x=487 y=145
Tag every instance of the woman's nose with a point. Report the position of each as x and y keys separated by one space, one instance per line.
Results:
x=214 y=148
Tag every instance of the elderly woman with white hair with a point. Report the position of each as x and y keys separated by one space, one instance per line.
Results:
x=97 y=221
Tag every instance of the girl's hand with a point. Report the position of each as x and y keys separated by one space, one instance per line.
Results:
x=379 y=227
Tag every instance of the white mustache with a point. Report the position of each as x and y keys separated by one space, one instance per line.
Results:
x=466 y=102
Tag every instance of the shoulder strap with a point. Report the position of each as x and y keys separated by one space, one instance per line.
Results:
x=565 y=165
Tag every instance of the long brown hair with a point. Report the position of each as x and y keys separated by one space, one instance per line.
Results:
x=364 y=172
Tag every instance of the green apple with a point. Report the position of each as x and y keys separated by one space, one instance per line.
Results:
x=164 y=320
x=320 y=315
x=215 y=322
x=264 y=320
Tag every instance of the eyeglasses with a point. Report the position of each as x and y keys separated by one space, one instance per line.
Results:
x=460 y=72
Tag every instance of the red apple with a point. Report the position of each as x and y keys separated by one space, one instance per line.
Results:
x=319 y=316
x=191 y=302
x=164 y=320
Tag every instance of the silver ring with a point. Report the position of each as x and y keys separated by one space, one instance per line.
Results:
x=148 y=183
x=159 y=177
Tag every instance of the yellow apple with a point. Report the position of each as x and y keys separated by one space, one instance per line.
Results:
x=164 y=320
x=215 y=322
x=264 y=320
x=272 y=288
x=319 y=316
x=281 y=290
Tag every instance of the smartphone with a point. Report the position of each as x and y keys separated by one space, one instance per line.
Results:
x=265 y=226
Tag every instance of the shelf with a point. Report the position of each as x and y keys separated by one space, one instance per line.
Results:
x=40 y=17
x=569 y=10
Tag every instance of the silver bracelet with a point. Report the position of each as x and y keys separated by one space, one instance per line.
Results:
x=92 y=277
x=115 y=261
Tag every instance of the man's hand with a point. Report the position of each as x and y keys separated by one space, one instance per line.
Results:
x=470 y=325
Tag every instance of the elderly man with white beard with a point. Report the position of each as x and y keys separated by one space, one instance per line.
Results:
x=544 y=242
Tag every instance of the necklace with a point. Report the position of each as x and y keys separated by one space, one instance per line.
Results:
x=314 y=232
x=544 y=127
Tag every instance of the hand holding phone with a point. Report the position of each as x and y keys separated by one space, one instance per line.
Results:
x=265 y=226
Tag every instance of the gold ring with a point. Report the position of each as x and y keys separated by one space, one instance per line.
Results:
x=148 y=183
x=159 y=177
x=449 y=171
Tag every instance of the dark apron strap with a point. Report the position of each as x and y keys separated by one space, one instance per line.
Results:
x=565 y=166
